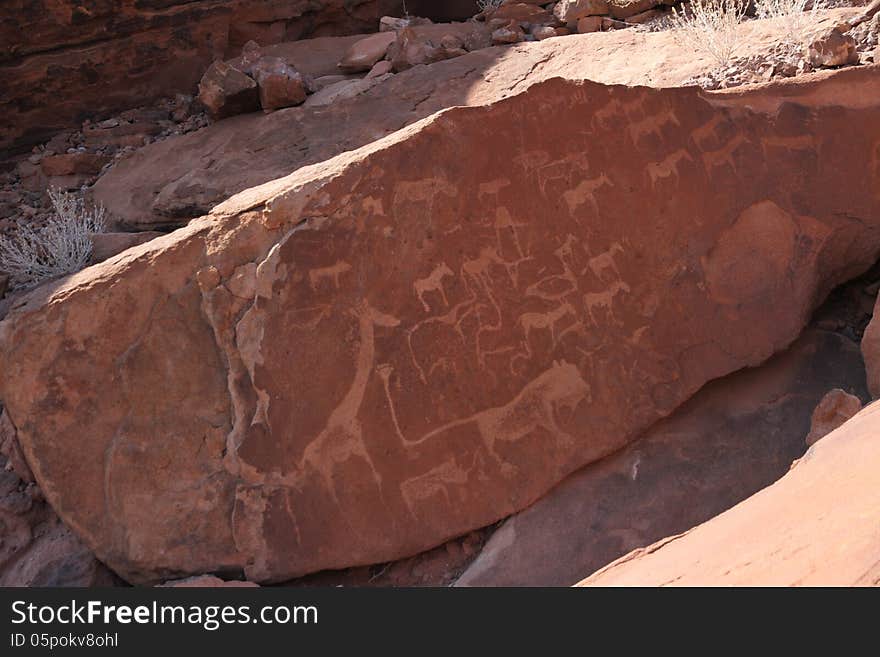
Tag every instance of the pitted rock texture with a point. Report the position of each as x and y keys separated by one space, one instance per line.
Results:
x=383 y=351
x=817 y=526
x=734 y=437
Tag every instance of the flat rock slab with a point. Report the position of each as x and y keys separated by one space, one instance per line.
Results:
x=733 y=438
x=386 y=350
x=817 y=526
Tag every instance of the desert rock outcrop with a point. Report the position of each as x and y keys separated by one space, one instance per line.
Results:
x=378 y=353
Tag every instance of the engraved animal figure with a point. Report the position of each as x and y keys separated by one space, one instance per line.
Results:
x=342 y=438
x=433 y=283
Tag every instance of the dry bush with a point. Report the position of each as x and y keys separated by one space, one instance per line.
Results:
x=710 y=27
x=795 y=16
x=61 y=246
x=483 y=5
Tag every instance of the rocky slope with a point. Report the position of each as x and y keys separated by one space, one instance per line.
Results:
x=169 y=183
x=61 y=61
x=373 y=355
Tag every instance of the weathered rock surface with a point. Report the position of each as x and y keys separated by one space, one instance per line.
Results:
x=364 y=54
x=375 y=354
x=733 y=438
x=171 y=182
x=226 y=91
x=817 y=526
x=833 y=410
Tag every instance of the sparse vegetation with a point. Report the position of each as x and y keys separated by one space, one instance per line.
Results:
x=709 y=26
x=61 y=246
x=796 y=16
x=483 y=5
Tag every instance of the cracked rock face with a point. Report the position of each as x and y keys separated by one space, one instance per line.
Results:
x=415 y=339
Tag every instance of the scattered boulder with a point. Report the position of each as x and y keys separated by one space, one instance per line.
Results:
x=523 y=12
x=511 y=33
x=107 y=245
x=73 y=163
x=279 y=84
x=570 y=11
x=626 y=9
x=225 y=91
x=379 y=69
x=589 y=24
x=364 y=54
x=816 y=526
x=832 y=48
x=541 y=32
x=835 y=408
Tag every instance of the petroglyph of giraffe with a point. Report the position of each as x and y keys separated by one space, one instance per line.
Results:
x=342 y=438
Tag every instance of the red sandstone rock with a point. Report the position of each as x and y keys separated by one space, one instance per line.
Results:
x=428 y=348
x=624 y=9
x=107 y=245
x=226 y=91
x=817 y=526
x=570 y=11
x=522 y=12
x=366 y=52
x=833 y=410
x=508 y=34
x=280 y=85
x=589 y=24
x=734 y=437
x=73 y=163
x=832 y=48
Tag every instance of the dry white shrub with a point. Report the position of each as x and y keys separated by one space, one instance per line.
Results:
x=61 y=246
x=483 y=5
x=795 y=16
x=710 y=27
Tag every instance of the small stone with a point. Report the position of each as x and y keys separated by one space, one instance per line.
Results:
x=589 y=24
x=541 y=32
x=509 y=34
x=363 y=54
x=226 y=91
x=381 y=68
x=835 y=408
x=279 y=84
x=832 y=48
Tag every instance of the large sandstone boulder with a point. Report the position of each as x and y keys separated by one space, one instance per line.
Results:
x=380 y=352
x=817 y=526
x=733 y=438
